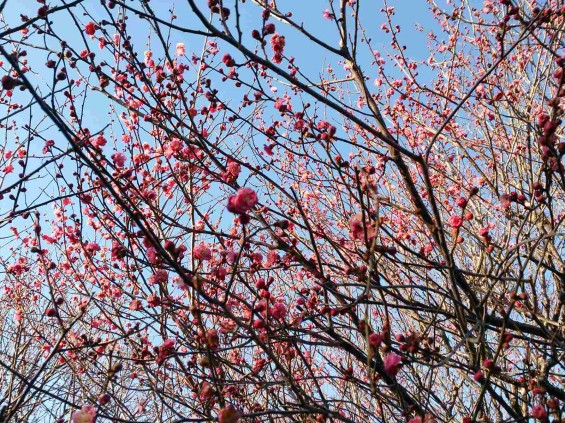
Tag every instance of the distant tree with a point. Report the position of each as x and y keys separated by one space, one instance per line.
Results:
x=202 y=221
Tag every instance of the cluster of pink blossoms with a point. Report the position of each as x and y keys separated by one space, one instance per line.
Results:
x=357 y=228
x=243 y=201
x=277 y=44
x=86 y=414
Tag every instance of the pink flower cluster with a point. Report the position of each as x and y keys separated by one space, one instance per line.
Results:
x=90 y=28
x=539 y=413
x=243 y=201
x=160 y=276
x=228 y=415
x=277 y=44
x=165 y=351
x=86 y=414
x=392 y=364
x=278 y=310
x=233 y=169
x=202 y=252
x=455 y=222
x=357 y=228
x=119 y=159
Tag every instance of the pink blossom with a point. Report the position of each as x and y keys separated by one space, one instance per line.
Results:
x=231 y=255
x=233 y=169
x=243 y=201
x=181 y=50
x=505 y=201
x=152 y=255
x=455 y=221
x=277 y=44
x=478 y=376
x=99 y=141
x=392 y=363
x=147 y=55
x=488 y=363
x=257 y=258
x=119 y=159
x=92 y=248
x=428 y=418
x=104 y=399
x=153 y=300
x=206 y=392
x=168 y=343
x=461 y=202
x=269 y=150
x=202 y=252
x=323 y=124
x=327 y=14
x=135 y=305
x=160 y=276
x=375 y=339
x=85 y=415
x=228 y=415
x=278 y=310
x=258 y=365
x=357 y=228
x=539 y=412
x=272 y=258
x=90 y=28
x=228 y=60
x=165 y=351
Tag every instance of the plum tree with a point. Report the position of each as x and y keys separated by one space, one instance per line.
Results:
x=270 y=211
